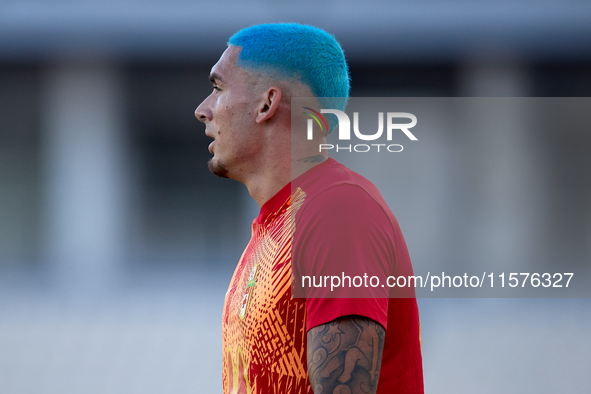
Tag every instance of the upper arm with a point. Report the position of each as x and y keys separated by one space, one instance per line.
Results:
x=342 y=233
x=345 y=352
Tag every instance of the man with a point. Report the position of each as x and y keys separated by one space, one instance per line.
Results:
x=315 y=215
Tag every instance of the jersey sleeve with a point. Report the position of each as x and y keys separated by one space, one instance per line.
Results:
x=343 y=252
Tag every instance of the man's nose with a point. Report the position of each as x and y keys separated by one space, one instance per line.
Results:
x=203 y=113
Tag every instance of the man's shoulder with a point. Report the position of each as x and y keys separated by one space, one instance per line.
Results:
x=337 y=182
x=337 y=196
x=331 y=174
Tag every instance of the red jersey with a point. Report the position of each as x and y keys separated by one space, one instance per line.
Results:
x=333 y=220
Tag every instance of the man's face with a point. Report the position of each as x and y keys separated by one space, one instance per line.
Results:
x=229 y=114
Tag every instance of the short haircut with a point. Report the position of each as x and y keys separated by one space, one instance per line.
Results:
x=290 y=51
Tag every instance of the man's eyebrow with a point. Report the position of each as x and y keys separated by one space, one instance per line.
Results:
x=215 y=77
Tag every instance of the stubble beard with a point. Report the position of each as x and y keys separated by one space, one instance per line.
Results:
x=217 y=168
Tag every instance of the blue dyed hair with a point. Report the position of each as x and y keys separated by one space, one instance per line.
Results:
x=299 y=52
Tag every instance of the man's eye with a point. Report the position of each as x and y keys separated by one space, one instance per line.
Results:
x=216 y=88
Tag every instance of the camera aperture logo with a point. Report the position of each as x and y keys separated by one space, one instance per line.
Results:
x=344 y=130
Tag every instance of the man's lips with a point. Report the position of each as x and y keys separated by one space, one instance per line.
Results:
x=207 y=133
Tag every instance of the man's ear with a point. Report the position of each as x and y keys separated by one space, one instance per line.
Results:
x=269 y=104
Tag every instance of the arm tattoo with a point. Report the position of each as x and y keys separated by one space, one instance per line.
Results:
x=344 y=356
x=313 y=159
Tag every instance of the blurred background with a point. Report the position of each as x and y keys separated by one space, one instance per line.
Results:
x=117 y=244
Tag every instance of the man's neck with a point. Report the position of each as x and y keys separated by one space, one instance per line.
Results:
x=262 y=187
x=302 y=165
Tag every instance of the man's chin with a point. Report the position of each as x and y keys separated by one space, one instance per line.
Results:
x=217 y=168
